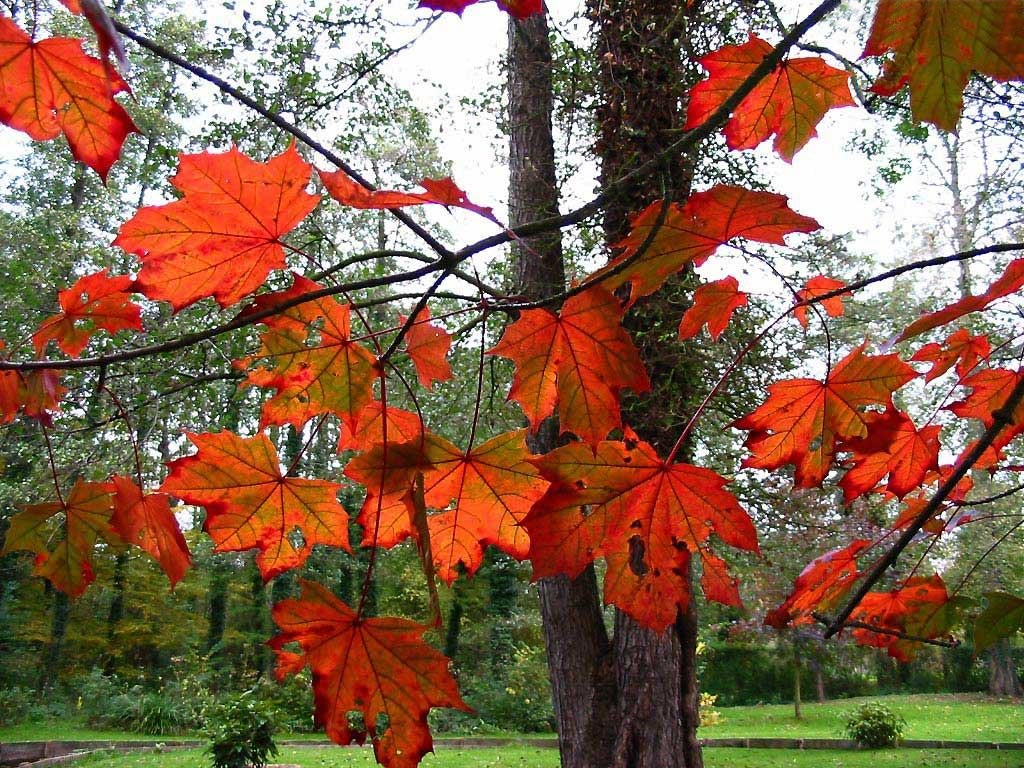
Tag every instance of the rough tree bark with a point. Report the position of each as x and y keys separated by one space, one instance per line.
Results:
x=630 y=700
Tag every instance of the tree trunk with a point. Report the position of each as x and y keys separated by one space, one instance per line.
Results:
x=632 y=701
x=643 y=85
x=50 y=662
x=1002 y=674
x=797 y=670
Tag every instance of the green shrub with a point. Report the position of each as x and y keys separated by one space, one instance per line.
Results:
x=15 y=703
x=875 y=725
x=241 y=730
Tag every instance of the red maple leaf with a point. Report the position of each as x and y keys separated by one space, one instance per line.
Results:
x=446 y=192
x=936 y=46
x=369 y=429
x=894 y=447
x=484 y=494
x=35 y=394
x=819 y=286
x=692 y=232
x=821 y=585
x=95 y=302
x=146 y=521
x=646 y=517
x=990 y=389
x=520 y=9
x=579 y=359
x=223 y=236
x=802 y=419
x=53 y=87
x=961 y=348
x=377 y=667
x=428 y=345
x=1011 y=281
x=312 y=361
x=83 y=518
x=250 y=502
x=713 y=305
x=915 y=608
x=789 y=102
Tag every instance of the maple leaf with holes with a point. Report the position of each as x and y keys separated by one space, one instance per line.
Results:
x=377 y=667
x=820 y=586
x=961 y=349
x=78 y=523
x=483 y=494
x=250 y=502
x=52 y=87
x=146 y=520
x=646 y=517
x=519 y=9
x=446 y=192
x=894 y=447
x=223 y=237
x=936 y=45
x=95 y=302
x=802 y=419
x=580 y=359
x=713 y=305
x=789 y=102
x=819 y=286
x=428 y=346
x=311 y=360
x=915 y=608
x=1011 y=281
x=692 y=232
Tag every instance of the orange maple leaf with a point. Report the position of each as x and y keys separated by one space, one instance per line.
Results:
x=713 y=305
x=579 y=359
x=146 y=521
x=802 y=419
x=820 y=586
x=84 y=518
x=95 y=302
x=915 y=608
x=313 y=363
x=369 y=429
x=377 y=667
x=53 y=87
x=819 y=286
x=692 y=232
x=428 y=345
x=789 y=102
x=250 y=502
x=35 y=394
x=1011 y=281
x=484 y=494
x=446 y=192
x=894 y=447
x=936 y=46
x=962 y=349
x=646 y=517
x=223 y=237
x=990 y=389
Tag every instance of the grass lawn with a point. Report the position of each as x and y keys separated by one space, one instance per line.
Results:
x=955 y=717
x=517 y=757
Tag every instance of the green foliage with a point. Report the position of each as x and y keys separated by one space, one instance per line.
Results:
x=109 y=702
x=241 y=730
x=15 y=703
x=875 y=725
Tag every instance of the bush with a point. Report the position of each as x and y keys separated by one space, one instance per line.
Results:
x=875 y=725
x=241 y=731
x=107 y=701
x=15 y=703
